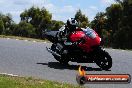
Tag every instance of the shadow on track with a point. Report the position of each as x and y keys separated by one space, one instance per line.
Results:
x=57 y=65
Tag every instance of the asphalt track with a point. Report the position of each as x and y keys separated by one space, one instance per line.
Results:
x=26 y=58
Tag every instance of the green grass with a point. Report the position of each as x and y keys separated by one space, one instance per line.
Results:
x=23 y=82
x=23 y=38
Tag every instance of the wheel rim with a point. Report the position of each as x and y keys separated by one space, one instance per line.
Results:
x=104 y=62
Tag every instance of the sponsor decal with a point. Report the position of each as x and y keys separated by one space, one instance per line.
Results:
x=83 y=78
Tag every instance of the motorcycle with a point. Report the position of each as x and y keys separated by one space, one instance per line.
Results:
x=78 y=49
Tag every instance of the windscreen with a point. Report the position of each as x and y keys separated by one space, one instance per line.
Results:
x=89 y=32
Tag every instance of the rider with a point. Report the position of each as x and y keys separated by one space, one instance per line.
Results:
x=71 y=26
x=91 y=37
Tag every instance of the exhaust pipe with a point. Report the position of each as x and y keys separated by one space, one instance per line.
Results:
x=54 y=53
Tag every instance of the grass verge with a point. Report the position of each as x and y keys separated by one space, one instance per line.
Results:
x=23 y=38
x=23 y=82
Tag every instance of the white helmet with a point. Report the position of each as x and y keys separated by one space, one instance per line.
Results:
x=72 y=22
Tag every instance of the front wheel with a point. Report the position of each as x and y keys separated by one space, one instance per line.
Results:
x=104 y=60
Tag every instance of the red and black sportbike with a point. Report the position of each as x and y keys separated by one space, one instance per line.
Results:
x=82 y=46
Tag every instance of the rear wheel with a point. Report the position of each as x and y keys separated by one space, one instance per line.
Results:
x=61 y=59
x=104 y=60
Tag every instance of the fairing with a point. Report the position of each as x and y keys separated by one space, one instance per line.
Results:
x=92 y=40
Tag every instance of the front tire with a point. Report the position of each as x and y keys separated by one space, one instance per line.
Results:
x=104 y=60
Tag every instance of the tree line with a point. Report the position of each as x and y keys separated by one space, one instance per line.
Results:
x=114 y=25
x=34 y=21
x=32 y=24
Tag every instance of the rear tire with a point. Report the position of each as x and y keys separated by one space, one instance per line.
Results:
x=104 y=60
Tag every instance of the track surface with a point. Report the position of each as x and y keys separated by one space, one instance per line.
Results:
x=26 y=58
